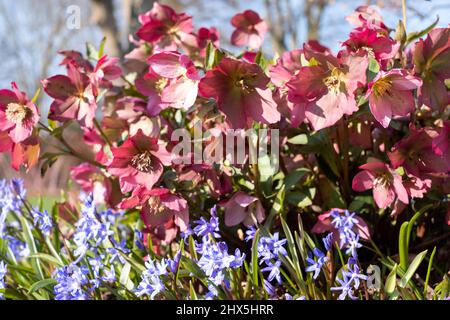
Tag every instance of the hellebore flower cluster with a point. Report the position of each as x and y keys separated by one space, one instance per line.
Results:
x=364 y=128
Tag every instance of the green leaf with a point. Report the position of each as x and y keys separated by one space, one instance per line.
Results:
x=192 y=293
x=46 y=257
x=292 y=249
x=412 y=268
x=301 y=199
x=403 y=246
x=374 y=67
x=427 y=278
x=125 y=277
x=416 y=35
x=391 y=281
x=101 y=49
x=299 y=139
x=254 y=262
x=294 y=177
x=29 y=239
x=42 y=284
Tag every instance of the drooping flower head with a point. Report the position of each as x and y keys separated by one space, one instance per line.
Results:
x=18 y=115
x=432 y=62
x=386 y=183
x=390 y=94
x=250 y=29
x=416 y=154
x=158 y=206
x=164 y=28
x=243 y=208
x=139 y=161
x=240 y=90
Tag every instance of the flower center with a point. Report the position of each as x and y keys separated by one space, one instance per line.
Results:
x=142 y=161
x=16 y=112
x=382 y=86
x=160 y=85
x=370 y=52
x=383 y=180
x=334 y=81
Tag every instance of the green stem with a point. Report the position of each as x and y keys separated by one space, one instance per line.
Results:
x=404 y=13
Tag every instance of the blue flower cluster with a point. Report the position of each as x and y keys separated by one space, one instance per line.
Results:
x=11 y=193
x=2 y=278
x=351 y=279
x=151 y=279
x=71 y=282
x=215 y=259
x=269 y=250
x=345 y=224
x=351 y=274
x=93 y=229
x=42 y=220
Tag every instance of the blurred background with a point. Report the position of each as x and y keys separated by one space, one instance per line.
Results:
x=32 y=31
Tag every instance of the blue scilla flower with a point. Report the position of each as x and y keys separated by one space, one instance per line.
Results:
x=345 y=286
x=250 y=233
x=71 y=282
x=351 y=279
x=3 y=271
x=271 y=247
x=18 y=248
x=204 y=227
x=274 y=270
x=315 y=261
x=215 y=259
x=151 y=283
x=353 y=273
x=42 y=220
x=175 y=262
x=353 y=245
x=91 y=229
x=11 y=194
x=328 y=241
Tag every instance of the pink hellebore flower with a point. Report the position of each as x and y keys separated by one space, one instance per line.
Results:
x=139 y=161
x=91 y=179
x=18 y=115
x=243 y=208
x=378 y=46
x=240 y=90
x=391 y=94
x=204 y=36
x=385 y=183
x=324 y=90
x=250 y=29
x=74 y=96
x=431 y=59
x=105 y=71
x=324 y=224
x=417 y=155
x=182 y=85
x=165 y=28
x=158 y=207
x=364 y=15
